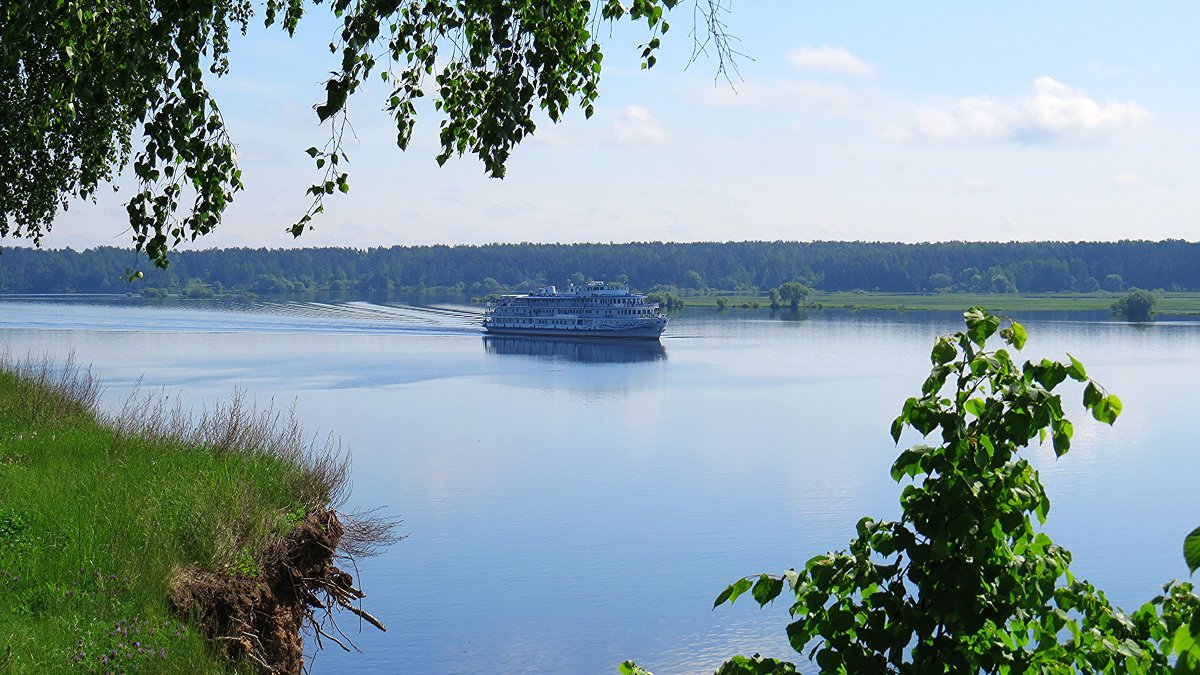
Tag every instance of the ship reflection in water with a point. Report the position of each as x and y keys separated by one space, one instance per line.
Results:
x=577 y=350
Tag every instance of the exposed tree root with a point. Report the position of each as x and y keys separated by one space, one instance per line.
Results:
x=260 y=619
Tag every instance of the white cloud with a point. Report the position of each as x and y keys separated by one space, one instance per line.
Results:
x=969 y=118
x=637 y=126
x=1126 y=179
x=1058 y=109
x=1054 y=112
x=829 y=59
x=975 y=183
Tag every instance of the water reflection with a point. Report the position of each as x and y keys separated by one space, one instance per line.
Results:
x=790 y=314
x=576 y=350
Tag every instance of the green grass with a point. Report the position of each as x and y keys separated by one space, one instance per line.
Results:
x=1168 y=302
x=97 y=516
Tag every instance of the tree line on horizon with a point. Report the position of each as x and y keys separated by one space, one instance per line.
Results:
x=748 y=267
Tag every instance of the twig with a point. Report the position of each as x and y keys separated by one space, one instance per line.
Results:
x=336 y=641
x=363 y=614
x=342 y=632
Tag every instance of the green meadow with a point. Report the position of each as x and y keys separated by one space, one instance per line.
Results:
x=99 y=514
x=1168 y=302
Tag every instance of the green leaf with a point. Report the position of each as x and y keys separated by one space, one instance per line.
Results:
x=973 y=316
x=1183 y=640
x=840 y=619
x=974 y=406
x=943 y=351
x=980 y=325
x=936 y=380
x=766 y=589
x=1043 y=508
x=909 y=462
x=829 y=661
x=1115 y=405
x=755 y=665
x=799 y=633
x=1106 y=409
x=631 y=668
x=1188 y=663
x=1015 y=335
x=792 y=577
x=1063 y=430
x=1130 y=649
x=1076 y=370
x=1191 y=550
x=732 y=592
x=1049 y=373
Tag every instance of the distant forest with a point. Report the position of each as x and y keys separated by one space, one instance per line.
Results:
x=746 y=267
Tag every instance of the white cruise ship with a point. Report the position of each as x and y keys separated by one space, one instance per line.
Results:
x=599 y=309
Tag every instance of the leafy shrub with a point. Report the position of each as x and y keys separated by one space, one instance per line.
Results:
x=1137 y=305
x=966 y=581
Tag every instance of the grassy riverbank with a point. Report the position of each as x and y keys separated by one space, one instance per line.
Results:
x=100 y=518
x=1168 y=302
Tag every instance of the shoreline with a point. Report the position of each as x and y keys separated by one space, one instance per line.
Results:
x=1169 y=302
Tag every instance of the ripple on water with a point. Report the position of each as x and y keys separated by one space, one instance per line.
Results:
x=224 y=316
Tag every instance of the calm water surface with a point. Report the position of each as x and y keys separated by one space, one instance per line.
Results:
x=570 y=505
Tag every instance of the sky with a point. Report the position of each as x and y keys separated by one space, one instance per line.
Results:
x=909 y=122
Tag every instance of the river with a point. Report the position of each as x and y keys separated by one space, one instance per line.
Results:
x=567 y=506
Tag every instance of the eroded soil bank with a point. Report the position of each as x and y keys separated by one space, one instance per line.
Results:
x=259 y=618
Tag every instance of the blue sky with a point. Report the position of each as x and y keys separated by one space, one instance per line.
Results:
x=854 y=121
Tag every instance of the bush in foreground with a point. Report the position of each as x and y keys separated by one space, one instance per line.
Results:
x=966 y=581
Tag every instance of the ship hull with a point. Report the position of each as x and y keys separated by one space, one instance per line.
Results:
x=650 y=331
